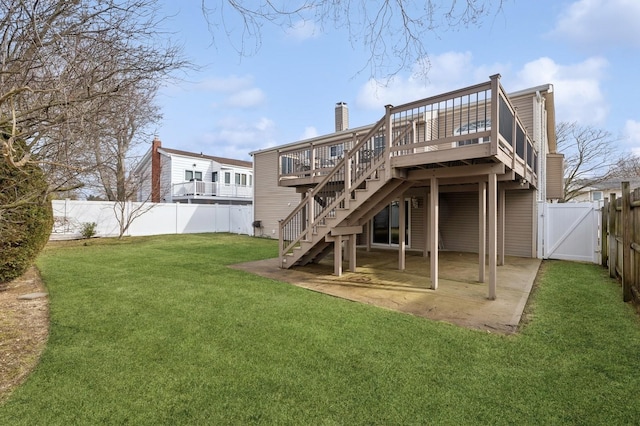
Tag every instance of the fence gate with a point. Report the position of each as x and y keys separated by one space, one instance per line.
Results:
x=569 y=231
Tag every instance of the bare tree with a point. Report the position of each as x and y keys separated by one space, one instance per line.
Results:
x=392 y=31
x=127 y=211
x=63 y=63
x=121 y=130
x=591 y=156
x=629 y=168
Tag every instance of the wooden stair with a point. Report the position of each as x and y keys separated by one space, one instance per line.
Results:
x=313 y=249
x=357 y=187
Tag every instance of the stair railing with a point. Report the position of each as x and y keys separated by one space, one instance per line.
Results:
x=360 y=162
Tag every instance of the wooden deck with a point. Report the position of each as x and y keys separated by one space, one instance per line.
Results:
x=472 y=136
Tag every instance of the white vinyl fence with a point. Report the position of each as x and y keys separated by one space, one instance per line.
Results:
x=153 y=219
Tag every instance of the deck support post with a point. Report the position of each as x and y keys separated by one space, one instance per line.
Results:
x=401 y=234
x=310 y=217
x=502 y=215
x=337 y=236
x=493 y=237
x=352 y=252
x=337 y=256
x=433 y=210
x=482 y=227
x=388 y=141
x=425 y=223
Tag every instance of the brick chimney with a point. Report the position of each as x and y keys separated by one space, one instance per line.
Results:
x=155 y=170
x=342 y=116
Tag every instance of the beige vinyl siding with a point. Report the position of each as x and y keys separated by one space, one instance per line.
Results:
x=520 y=210
x=555 y=182
x=272 y=202
x=428 y=130
x=524 y=106
x=417 y=237
x=459 y=222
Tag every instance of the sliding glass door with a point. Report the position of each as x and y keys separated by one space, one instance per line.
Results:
x=386 y=225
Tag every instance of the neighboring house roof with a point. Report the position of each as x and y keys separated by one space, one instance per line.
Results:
x=322 y=138
x=615 y=183
x=608 y=186
x=221 y=160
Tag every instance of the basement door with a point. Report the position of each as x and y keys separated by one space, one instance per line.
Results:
x=570 y=231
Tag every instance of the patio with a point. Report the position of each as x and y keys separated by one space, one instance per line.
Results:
x=460 y=299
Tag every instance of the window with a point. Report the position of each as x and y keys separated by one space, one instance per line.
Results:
x=214 y=177
x=227 y=178
x=336 y=150
x=250 y=180
x=473 y=127
x=243 y=179
x=191 y=175
x=237 y=178
x=596 y=196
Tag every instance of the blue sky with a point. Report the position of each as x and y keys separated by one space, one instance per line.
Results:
x=588 y=49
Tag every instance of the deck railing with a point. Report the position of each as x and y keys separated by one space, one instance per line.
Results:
x=452 y=121
x=209 y=189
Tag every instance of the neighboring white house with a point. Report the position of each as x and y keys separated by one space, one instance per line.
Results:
x=168 y=175
x=599 y=190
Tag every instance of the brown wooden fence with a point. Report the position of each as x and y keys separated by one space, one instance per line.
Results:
x=621 y=240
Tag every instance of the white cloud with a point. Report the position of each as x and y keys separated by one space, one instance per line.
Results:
x=601 y=23
x=303 y=30
x=578 y=92
x=577 y=87
x=246 y=98
x=309 y=132
x=235 y=137
x=445 y=72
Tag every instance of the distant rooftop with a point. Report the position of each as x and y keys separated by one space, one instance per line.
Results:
x=221 y=160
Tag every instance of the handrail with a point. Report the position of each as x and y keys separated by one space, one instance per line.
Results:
x=310 y=196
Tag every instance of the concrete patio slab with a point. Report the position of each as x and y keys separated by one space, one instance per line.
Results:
x=460 y=298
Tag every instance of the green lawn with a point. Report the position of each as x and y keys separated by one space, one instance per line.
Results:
x=157 y=330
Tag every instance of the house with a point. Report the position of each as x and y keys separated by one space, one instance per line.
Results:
x=459 y=171
x=598 y=191
x=168 y=175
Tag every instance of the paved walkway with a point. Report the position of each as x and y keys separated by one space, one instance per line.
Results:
x=460 y=299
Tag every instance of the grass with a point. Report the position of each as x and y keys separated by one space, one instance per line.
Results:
x=157 y=330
